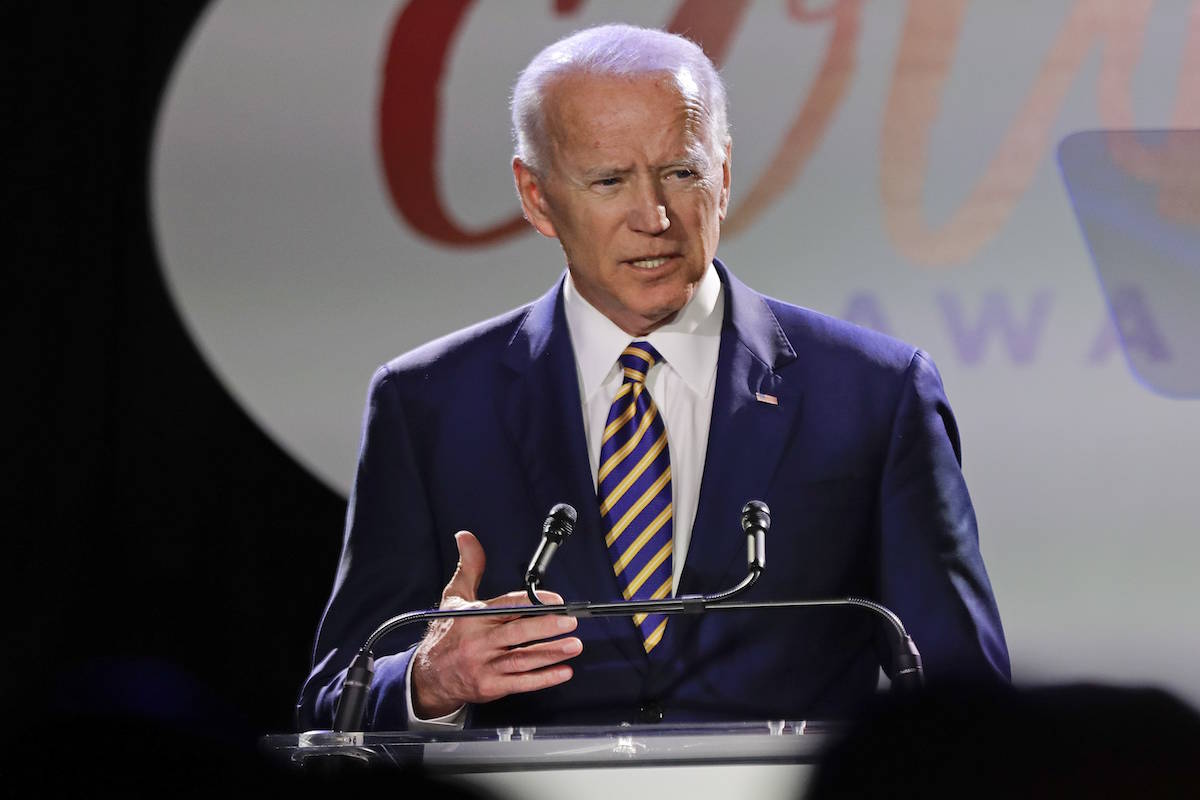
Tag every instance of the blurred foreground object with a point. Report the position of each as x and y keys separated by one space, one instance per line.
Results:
x=1069 y=741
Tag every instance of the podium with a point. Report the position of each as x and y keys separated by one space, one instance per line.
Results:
x=766 y=759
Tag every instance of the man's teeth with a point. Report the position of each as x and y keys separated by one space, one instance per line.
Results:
x=649 y=263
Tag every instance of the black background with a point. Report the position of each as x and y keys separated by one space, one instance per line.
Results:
x=168 y=562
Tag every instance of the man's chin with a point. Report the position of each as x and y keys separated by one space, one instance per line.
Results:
x=647 y=322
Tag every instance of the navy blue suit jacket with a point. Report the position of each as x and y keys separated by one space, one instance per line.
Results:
x=858 y=461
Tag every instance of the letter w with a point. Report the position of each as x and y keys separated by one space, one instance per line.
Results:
x=970 y=340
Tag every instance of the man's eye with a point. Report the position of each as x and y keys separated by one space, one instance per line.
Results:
x=683 y=173
x=608 y=182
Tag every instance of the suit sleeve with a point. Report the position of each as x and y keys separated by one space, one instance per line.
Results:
x=931 y=570
x=389 y=564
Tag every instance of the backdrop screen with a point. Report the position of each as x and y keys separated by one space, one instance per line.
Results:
x=1014 y=187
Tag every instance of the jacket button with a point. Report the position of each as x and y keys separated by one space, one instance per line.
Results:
x=650 y=712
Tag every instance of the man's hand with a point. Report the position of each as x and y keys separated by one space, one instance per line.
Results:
x=475 y=660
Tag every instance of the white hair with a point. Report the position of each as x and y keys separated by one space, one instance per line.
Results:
x=617 y=50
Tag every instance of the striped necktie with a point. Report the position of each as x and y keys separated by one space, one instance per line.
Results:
x=634 y=489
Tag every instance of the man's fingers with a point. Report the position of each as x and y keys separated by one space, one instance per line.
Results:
x=549 y=598
x=524 y=630
x=471 y=561
x=531 y=681
x=535 y=656
x=521 y=599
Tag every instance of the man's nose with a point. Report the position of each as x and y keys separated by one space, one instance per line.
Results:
x=648 y=214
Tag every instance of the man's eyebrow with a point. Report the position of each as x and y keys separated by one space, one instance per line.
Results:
x=605 y=171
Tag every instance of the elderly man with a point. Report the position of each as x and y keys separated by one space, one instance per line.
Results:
x=657 y=394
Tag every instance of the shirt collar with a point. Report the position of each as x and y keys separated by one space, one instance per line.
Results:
x=689 y=343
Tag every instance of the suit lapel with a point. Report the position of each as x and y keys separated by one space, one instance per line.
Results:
x=542 y=412
x=747 y=434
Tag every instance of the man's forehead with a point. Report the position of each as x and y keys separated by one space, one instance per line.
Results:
x=592 y=111
x=679 y=88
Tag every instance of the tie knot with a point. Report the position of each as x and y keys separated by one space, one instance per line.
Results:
x=637 y=359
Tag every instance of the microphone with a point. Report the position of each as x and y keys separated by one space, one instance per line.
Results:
x=756 y=521
x=557 y=527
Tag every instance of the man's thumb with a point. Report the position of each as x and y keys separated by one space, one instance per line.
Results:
x=471 y=561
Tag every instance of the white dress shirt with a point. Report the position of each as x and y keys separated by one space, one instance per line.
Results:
x=681 y=386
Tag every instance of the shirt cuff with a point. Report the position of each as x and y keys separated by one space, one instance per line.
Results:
x=452 y=721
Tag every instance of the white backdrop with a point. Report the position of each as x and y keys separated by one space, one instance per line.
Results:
x=894 y=163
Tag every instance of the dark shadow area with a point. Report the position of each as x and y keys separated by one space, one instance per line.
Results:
x=169 y=562
x=133 y=756
x=1068 y=741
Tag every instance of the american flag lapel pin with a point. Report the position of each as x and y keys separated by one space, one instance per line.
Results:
x=769 y=399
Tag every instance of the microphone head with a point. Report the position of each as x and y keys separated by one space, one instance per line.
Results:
x=560 y=523
x=755 y=514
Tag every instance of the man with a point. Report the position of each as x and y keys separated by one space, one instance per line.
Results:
x=657 y=394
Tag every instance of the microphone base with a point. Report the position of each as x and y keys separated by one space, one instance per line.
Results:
x=353 y=700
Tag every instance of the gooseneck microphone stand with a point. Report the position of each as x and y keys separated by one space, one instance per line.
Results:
x=906 y=672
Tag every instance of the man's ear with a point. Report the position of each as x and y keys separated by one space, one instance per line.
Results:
x=533 y=198
x=726 y=176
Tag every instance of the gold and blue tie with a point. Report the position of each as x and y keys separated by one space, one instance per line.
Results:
x=634 y=489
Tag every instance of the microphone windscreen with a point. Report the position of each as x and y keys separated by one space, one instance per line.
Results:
x=755 y=514
x=561 y=521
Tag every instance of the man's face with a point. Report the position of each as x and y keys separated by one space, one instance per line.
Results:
x=632 y=191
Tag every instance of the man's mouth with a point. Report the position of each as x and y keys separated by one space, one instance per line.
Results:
x=649 y=263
